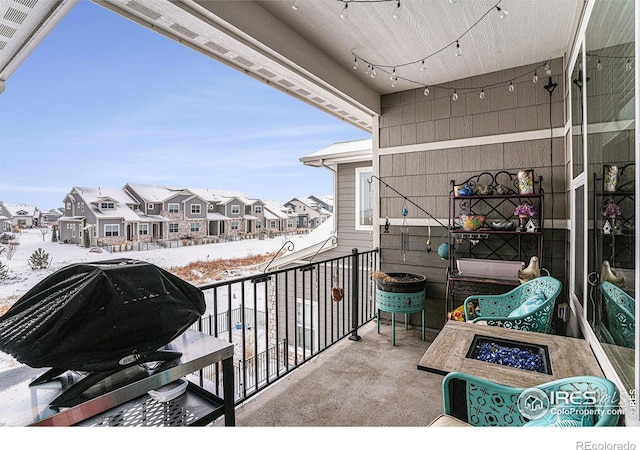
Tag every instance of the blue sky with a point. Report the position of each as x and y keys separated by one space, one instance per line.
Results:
x=103 y=101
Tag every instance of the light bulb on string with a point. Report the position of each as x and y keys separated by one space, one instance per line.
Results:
x=503 y=13
x=511 y=88
x=396 y=11
x=535 y=77
x=393 y=74
x=426 y=91
x=547 y=68
x=355 y=63
x=599 y=66
x=423 y=67
x=373 y=72
x=482 y=94
x=458 y=49
x=295 y=5
x=394 y=82
x=454 y=97
x=345 y=11
x=628 y=65
x=366 y=70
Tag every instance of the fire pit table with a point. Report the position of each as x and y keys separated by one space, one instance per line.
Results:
x=400 y=293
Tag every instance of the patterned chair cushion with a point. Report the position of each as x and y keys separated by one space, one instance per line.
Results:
x=536 y=299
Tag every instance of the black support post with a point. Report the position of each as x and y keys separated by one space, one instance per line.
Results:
x=355 y=295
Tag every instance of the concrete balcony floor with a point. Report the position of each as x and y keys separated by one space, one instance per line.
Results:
x=365 y=383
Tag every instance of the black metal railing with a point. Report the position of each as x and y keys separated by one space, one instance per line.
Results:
x=281 y=319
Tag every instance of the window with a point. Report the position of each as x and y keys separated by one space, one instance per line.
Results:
x=258 y=209
x=289 y=223
x=235 y=209
x=107 y=205
x=364 y=199
x=196 y=208
x=258 y=224
x=143 y=229
x=81 y=207
x=211 y=206
x=195 y=227
x=112 y=230
x=174 y=208
x=273 y=224
x=307 y=334
x=173 y=228
x=152 y=206
x=234 y=224
x=68 y=205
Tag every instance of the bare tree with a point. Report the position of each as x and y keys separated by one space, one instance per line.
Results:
x=11 y=249
x=44 y=230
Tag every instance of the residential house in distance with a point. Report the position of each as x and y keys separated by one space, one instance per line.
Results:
x=279 y=218
x=325 y=200
x=51 y=216
x=310 y=212
x=18 y=216
x=107 y=216
x=145 y=213
x=232 y=213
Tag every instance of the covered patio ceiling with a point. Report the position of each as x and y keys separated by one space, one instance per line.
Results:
x=309 y=51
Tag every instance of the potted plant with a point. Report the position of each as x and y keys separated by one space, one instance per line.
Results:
x=524 y=211
x=611 y=210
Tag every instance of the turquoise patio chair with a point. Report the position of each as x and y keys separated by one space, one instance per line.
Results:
x=619 y=324
x=528 y=307
x=581 y=401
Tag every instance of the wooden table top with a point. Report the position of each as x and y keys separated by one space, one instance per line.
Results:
x=567 y=356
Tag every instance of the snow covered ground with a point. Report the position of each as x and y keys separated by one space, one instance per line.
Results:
x=22 y=278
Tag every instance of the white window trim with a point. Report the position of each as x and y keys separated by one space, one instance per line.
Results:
x=110 y=225
x=194 y=227
x=358 y=172
x=311 y=312
x=235 y=209
x=176 y=226
x=196 y=205
x=172 y=205
x=143 y=229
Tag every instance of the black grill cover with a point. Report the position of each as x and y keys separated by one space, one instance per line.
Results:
x=101 y=316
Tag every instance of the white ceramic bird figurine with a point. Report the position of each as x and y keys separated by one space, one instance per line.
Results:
x=531 y=271
x=607 y=274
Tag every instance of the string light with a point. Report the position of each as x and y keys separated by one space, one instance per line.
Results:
x=396 y=12
x=355 y=63
x=458 y=49
x=600 y=66
x=295 y=5
x=391 y=70
x=345 y=11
